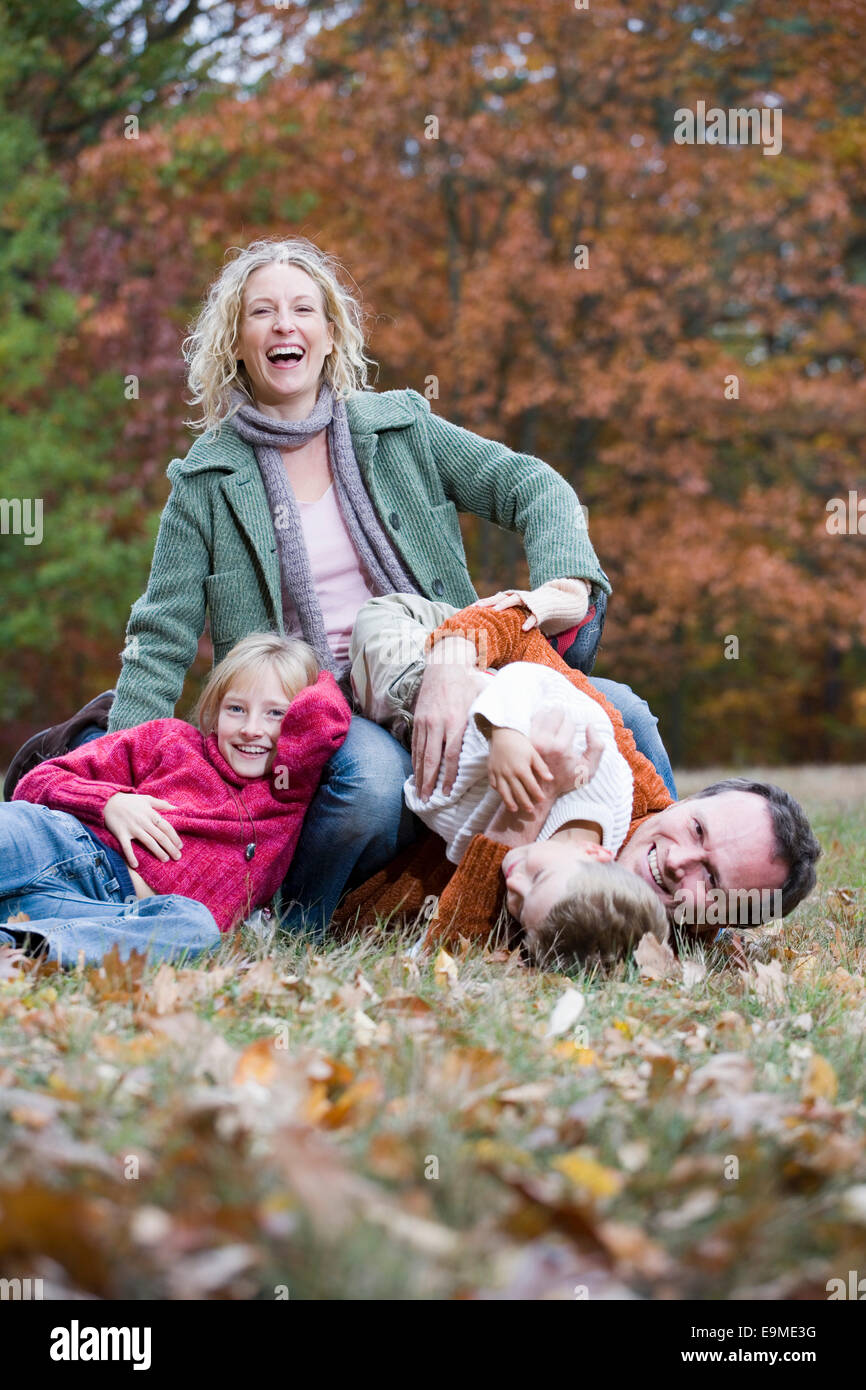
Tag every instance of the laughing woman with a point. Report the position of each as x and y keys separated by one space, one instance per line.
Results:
x=307 y=494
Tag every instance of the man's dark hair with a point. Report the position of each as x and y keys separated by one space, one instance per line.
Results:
x=795 y=842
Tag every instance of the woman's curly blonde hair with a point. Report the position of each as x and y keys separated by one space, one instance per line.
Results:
x=209 y=350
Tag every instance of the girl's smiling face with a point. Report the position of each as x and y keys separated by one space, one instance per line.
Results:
x=249 y=724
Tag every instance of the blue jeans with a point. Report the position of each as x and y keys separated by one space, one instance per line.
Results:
x=356 y=824
x=637 y=716
x=51 y=870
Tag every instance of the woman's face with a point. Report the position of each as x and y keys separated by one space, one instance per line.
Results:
x=283 y=339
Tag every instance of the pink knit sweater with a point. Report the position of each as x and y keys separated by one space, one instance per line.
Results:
x=171 y=759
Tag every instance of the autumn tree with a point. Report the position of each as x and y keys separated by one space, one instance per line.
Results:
x=677 y=328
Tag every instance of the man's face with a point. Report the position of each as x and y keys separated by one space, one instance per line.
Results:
x=723 y=841
x=538 y=876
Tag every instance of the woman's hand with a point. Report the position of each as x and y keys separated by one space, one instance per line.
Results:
x=554 y=607
x=449 y=685
x=514 y=769
x=134 y=816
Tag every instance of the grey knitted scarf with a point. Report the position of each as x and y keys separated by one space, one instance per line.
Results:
x=383 y=568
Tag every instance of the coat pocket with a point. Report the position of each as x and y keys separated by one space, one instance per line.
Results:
x=234 y=606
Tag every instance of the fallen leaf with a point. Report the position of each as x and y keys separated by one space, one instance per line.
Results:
x=258 y=1062
x=698 y=1205
x=728 y=1073
x=768 y=982
x=655 y=959
x=693 y=972
x=445 y=971
x=586 y=1172
x=528 y=1094
x=566 y=1011
x=820 y=1081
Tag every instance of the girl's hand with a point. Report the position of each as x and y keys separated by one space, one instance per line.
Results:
x=554 y=607
x=514 y=766
x=133 y=816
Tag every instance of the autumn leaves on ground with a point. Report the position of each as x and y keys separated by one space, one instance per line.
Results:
x=355 y=1123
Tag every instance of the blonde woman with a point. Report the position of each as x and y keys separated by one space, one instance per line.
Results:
x=305 y=495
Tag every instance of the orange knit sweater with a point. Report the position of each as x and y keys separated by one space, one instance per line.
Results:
x=471 y=896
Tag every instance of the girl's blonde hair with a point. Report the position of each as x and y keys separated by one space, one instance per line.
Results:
x=209 y=350
x=294 y=662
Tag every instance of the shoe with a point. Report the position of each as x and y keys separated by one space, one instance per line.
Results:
x=50 y=743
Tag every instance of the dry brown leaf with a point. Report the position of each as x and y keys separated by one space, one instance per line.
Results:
x=768 y=982
x=531 y=1093
x=258 y=1062
x=820 y=1081
x=728 y=1073
x=656 y=960
x=390 y=1156
x=633 y=1250
x=445 y=971
x=581 y=1168
x=358 y=1102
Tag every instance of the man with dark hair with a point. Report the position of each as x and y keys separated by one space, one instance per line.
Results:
x=729 y=841
x=737 y=843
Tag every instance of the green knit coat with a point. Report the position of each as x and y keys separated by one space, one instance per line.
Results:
x=216 y=553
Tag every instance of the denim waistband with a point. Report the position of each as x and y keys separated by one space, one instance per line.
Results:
x=117 y=862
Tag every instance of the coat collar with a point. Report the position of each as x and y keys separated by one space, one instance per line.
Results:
x=368 y=413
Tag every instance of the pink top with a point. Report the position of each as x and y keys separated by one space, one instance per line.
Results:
x=340 y=583
x=169 y=759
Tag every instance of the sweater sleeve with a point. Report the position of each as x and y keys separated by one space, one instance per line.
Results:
x=84 y=780
x=516 y=692
x=165 y=624
x=314 y=726
x=497 y=635
x=512 y=698
x=470 y=904
x=517 y=491
x=498 y=639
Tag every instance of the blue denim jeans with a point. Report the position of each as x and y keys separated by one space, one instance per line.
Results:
x=637 y=716
x=356 y=824
x=52 y=870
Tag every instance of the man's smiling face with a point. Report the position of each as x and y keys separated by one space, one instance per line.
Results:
x=724 y=841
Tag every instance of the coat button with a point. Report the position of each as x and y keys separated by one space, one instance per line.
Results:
x=395 y=521
x=438 y=586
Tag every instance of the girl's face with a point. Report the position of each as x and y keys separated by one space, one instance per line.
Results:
x=249 y=723
x=283 y=339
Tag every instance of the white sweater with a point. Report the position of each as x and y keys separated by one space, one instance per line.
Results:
x=512 y=696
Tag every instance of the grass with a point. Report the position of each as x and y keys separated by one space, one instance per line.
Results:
x=350 y=1122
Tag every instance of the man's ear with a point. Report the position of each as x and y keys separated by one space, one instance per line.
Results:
x=599 y=852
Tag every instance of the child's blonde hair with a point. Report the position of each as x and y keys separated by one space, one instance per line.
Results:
x=601 y=920
x=294 y=662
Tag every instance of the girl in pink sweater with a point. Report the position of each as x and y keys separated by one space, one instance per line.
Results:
x=163 y=836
